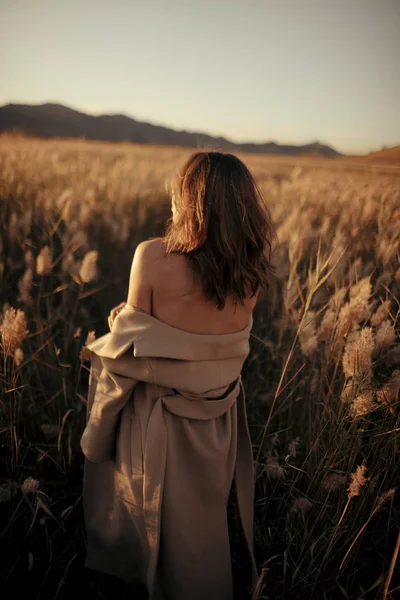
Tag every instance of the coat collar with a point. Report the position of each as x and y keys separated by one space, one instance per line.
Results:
x=151 y=337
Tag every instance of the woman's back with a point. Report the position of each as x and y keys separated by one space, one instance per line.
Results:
x=178 y=299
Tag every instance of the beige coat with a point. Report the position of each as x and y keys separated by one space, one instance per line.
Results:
x=166 y=433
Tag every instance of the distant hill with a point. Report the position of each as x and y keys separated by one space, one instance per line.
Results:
x=387 y=155
x=54 y=120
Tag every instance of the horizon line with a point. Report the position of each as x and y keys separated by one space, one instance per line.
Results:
x=101 y=113
x=92 y=113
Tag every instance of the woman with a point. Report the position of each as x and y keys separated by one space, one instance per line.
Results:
x=167 y=433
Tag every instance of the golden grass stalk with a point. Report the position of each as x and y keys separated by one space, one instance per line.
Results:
x=386 y=496
x=18 y=356
x=357 y=357
x=13 y=329
x=43 y=261
x=358 y=480
x=381 y=313
x=390 y=390
x=357 y=309
x=272 y=467
x=87 y=272
x=385 y=336
x=30 y=486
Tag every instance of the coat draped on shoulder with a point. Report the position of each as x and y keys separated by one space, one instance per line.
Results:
x=166 y=435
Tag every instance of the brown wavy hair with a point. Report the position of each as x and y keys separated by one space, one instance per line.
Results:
x=223 y=225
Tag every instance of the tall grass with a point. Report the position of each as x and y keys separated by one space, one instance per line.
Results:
x=322 y=379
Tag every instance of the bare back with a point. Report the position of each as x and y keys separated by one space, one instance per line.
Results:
x=177 y=300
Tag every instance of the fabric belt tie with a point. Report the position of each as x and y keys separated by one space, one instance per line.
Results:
x=155 y=458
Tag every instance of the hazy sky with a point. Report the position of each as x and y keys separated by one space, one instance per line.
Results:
x=293 y=71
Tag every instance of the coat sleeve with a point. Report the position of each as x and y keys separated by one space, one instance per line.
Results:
x=109 y=392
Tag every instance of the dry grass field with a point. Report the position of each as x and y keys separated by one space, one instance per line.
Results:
x=322 y=380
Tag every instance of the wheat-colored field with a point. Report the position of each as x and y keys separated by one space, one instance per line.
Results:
x=322 y=379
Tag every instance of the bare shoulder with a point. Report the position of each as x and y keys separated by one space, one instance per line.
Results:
x=143 y=274
x=152 y=249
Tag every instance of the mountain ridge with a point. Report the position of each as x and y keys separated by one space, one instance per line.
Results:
x=57 y=120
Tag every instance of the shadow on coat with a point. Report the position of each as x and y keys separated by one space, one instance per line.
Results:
x=108 y=587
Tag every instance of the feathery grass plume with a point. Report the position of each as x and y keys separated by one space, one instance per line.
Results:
x=390 y=390
x=84 y=354
x=358 y=480
x=385 y=336
x=25 y=286
x=363 y=404
x=307 y=335
x=301 y=506
x=333 y=482
x=63 y=199
x=43 y=261
x=362 y=288
x=358 y=308
x=66 y=210
x=357 y=357
x=29 y=259
x=30 y=486
x=272 y=467
x=381 y=313
x=13 y=329
x=87 y=272
x=292 y=446
x=327 y=325
x=18 y=356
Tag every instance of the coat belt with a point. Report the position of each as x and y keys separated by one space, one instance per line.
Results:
x=155 y=457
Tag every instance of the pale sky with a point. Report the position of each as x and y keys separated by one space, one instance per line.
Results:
x=292 y=71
